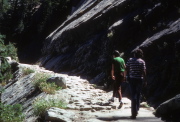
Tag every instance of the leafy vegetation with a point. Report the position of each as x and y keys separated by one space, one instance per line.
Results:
x=28 y=22
x=49 y=88
x=11 y=113
x=40 y=82
x=41 y=105
x=5 y=73
x=16 y=16
x=6 y=51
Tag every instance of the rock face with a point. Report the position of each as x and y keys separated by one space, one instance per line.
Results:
x=20 y=90
x=59 y=115
x=83 y=44
x=169 y=110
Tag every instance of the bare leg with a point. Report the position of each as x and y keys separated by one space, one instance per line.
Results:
x=119 y=92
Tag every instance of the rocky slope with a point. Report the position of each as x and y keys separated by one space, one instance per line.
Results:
x=83 y=44
x=86 y=102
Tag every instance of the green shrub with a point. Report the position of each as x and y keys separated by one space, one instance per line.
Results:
x=27 y=71
x=41 y=105
x=8 y=50
x=39 y=81
x=5 y=68
x=5 y=71
x=11 y=113
x=2 y=89
x=39 y=78
x=49 y=88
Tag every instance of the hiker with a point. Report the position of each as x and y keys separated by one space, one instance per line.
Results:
x=118 y=75
x=137 y=76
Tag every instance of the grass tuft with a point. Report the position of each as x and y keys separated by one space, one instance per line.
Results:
x=41 y=105
x=40 y=82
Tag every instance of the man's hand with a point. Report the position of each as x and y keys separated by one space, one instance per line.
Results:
x=124 y=79
x=113 y=77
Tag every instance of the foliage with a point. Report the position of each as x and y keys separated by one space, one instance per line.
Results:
x=40 y=78
x=27 y=71
x=16 y=17
x=40 y=82
x=2 y=89
x=20 y=19
x=53 y=7
x=11 y=113
x=41 y=105
x=8 y=50
x=49 y=88
x=5 y=51
x=5 y=73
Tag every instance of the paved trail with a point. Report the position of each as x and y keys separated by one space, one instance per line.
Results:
x=90 y=104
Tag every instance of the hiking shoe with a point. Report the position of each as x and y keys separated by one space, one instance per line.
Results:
x=120 y=105
x=132 y=117
x=111 y=100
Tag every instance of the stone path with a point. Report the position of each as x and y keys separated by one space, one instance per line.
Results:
x=90 y=104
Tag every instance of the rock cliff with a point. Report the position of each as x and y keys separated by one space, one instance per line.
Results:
x=83 y=44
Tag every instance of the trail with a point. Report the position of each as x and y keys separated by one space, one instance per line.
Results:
x=91 y=104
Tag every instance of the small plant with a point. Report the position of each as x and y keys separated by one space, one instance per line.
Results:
x=110 y=34
x=3 y=83
x=40 y=78
x=49 y=88
x=94 y=85
x=2 y=89
x=144 y=105
x=41 y=105
x=11 y=113
x=27 y=71
x=40 y=82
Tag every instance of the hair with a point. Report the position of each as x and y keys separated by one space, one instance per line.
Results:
x=116 y=53
x=138 y=53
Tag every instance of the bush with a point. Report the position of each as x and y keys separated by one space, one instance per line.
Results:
x=27 y=71
x=8 y=50
x=41 y=105
x=40 y=78
x=5 y=71
x=49 y=88
x=40 y=82
x=5 y=68
x=11 y=113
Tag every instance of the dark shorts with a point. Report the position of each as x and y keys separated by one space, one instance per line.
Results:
x=119 y=77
